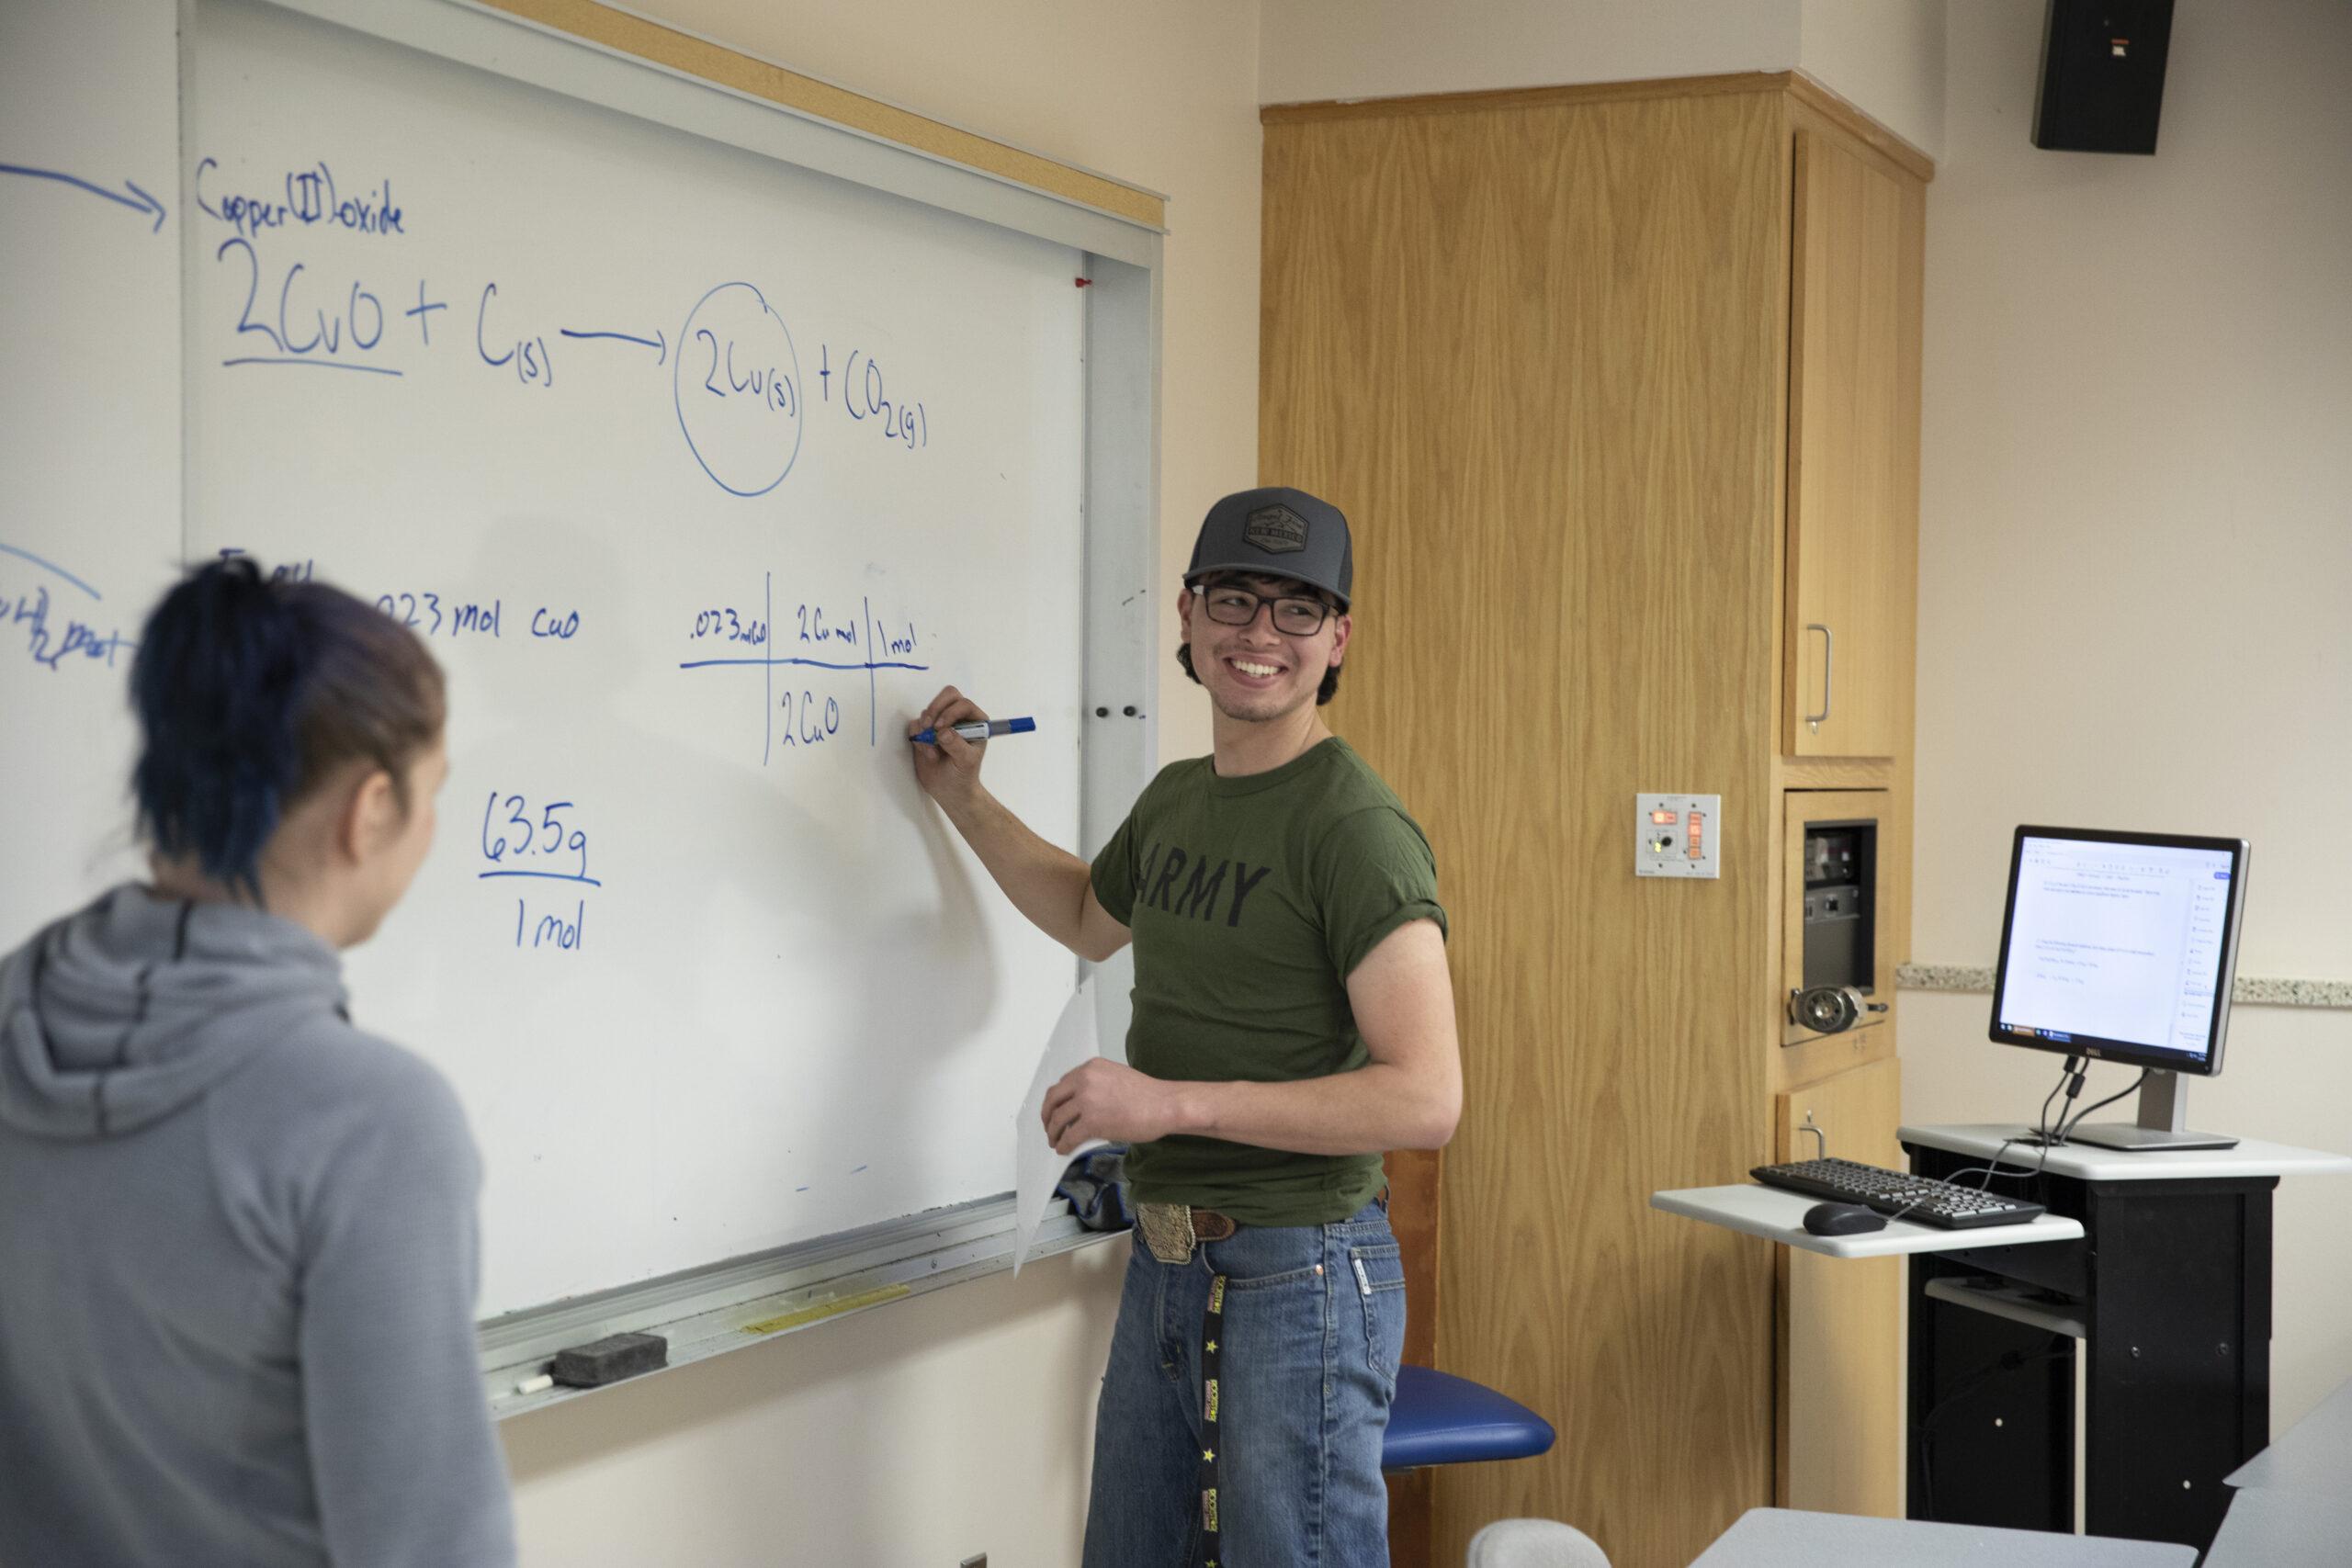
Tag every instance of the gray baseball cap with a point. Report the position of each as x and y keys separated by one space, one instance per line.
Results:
x=1277 y=532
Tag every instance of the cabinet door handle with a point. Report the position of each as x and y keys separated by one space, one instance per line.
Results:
x=1828 y=662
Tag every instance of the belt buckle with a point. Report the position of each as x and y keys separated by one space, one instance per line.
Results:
x=1167 y=1230
x=1210 y=1225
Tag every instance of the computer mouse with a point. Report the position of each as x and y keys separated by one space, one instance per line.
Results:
x=1842 y=1218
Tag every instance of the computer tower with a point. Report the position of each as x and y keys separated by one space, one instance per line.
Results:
x=1840 y=862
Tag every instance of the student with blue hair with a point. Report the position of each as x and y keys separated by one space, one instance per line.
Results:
x=238 y=1252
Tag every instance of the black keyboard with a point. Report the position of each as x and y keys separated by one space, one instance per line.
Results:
x=1951 y=1204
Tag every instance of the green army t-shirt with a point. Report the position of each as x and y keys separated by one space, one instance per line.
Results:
x=1252 y=899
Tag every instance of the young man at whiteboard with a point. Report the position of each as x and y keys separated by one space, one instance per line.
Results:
x=1293 y=1019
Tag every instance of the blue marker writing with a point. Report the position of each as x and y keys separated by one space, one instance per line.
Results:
x=981 y=729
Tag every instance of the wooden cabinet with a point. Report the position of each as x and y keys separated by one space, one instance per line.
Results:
x=1853 y=443
x=1856 y=243
x=1840 y=1387
x=1542 y=348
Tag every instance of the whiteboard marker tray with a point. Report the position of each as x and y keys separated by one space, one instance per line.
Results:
x=751 y=1301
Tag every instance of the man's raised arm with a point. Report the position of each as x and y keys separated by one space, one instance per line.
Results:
x=1047 y=884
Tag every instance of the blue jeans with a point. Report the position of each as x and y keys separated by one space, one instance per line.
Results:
x=1311 y=1331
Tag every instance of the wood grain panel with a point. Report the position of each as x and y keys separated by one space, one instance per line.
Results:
x=610 y=27
x=1845 y=413
x=1903 y=567
x=1414 y=1185
x=1823 y=107
x=1533 y=352
x=1841 y=1341
x=1833 y=773
x=1487 y=100
x=1412 y=1518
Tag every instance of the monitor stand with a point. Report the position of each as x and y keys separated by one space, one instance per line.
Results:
x=2164 y=1111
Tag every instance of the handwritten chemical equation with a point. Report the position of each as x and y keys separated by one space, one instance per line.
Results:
x=539 y=840
x=730 y=625
x=52 y=647
x=865 y=396
x=311 y=197
x=807 y=724
x=735 y=373
x=552 y=931
x=50 y=638
x=440 y=613
x=841 y=640
x=523 y=838
x=744 y=430
x=429 y=614
x=317 y=321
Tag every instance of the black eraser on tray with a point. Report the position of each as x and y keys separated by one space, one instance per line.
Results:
x=609 y=1360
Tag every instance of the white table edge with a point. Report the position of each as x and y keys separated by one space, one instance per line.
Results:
x=2250 y=1157
x=1899 y=1238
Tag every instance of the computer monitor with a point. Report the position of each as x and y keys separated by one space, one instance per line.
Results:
x=2123 y=947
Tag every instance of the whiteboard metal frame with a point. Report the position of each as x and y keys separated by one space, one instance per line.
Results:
x=702 y=1310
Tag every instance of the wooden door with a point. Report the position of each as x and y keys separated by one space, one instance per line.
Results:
x=1853 y=453
x=1841 y=1407
x=1534 y=349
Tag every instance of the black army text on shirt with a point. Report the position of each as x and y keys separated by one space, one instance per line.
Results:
x=1206 y=895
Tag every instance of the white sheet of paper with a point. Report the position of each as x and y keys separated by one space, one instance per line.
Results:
x=1037 y=1170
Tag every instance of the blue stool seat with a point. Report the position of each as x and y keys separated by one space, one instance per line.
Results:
x=1438 y=1419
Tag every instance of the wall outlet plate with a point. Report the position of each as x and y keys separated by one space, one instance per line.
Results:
x=1679 y=835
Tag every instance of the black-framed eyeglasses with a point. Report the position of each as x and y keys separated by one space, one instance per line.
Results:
x=1294 y=616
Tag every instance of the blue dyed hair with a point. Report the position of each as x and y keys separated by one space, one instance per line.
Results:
x=250 y=693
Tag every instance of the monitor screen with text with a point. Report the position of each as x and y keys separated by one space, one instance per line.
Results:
x=2119 y=943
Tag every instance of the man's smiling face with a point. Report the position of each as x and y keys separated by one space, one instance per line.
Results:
x=1257 y=672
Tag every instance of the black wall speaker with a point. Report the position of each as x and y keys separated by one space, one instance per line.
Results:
x=2102 y=75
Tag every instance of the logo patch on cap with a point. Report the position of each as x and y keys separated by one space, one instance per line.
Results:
x=1276 y=529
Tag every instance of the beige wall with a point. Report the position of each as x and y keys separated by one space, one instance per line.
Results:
x=2135 y=565
x=931 y=1429
x=921 y=1433
x=1885 y=55
x=1314 y=50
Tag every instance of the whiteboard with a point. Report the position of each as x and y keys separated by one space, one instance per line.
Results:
x=699 y=470
x=89 y=523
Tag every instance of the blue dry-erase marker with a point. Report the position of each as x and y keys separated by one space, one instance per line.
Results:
x=981 y=729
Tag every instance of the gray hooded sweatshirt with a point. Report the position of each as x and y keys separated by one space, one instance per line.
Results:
x=237 y=1260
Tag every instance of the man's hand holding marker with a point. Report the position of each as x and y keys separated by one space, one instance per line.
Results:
x=948 y=737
